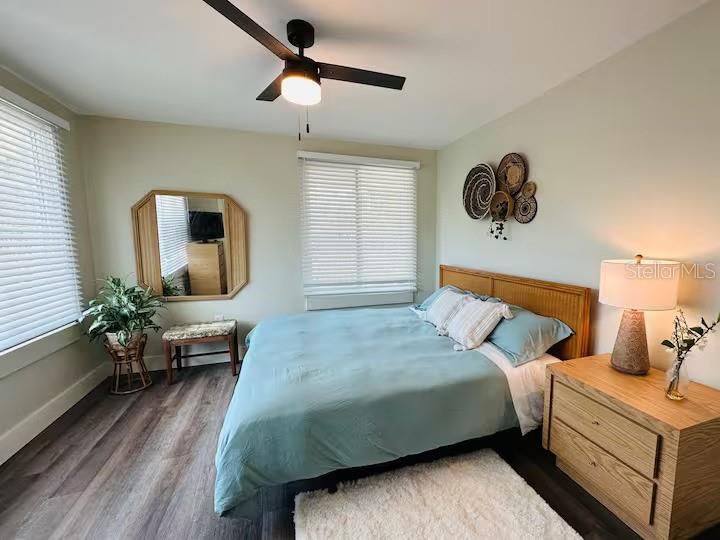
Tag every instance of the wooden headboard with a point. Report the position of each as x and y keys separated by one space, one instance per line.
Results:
x=568 y=303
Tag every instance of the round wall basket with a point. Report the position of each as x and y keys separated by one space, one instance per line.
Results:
x=511 y=174
x=525 y=209
x=529 y=189
x=501 y=206
x=478 y=191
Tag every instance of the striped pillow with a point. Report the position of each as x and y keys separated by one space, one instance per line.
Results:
x=444 y=308
x=475 y=321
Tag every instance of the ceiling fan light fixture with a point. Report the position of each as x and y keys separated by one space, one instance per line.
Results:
x=301 y=90
x=301 y=83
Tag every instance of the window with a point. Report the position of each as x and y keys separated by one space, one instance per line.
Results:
x=39 y=276
x=173 y=233
x=359 y=230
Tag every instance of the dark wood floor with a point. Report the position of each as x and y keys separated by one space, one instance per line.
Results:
x=141 y=466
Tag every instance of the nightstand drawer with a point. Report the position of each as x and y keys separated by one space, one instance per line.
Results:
x=631 y=443
x=604 y=476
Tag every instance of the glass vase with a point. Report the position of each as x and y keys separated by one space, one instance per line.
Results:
x=677 y=381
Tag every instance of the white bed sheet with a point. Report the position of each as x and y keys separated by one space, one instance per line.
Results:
x=526 y=382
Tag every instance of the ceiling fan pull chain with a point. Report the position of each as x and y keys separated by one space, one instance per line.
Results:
x=307 y=120
x=298 y=126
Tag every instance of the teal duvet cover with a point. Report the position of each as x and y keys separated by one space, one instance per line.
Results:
x=329 y=390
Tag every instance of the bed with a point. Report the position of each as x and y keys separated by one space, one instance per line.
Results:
x=323 y=391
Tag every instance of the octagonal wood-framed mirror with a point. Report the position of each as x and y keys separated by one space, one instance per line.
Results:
x=190 y=245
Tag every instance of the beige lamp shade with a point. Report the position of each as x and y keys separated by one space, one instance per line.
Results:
x=650 y=285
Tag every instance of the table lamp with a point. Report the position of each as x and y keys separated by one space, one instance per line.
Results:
x=637 y=286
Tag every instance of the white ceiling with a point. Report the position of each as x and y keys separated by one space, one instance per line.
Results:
x=467 y=61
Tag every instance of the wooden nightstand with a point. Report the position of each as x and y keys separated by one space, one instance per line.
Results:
x=654 y=462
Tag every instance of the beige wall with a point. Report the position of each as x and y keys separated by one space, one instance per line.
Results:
x=125 y=159
x=31 y=397
x=627 y=160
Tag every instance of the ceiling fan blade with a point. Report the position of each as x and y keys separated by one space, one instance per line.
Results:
x=272 y=92
x=228 y=10
x=361 y=76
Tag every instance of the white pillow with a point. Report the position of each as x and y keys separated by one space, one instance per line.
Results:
x=443 y=309
x=475 y=321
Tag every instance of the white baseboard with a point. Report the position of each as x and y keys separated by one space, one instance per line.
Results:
x=32 y=425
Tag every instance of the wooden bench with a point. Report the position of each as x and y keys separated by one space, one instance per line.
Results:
x=191 y=334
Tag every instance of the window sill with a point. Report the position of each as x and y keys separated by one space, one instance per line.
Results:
x=337 y=301
x=20 y=356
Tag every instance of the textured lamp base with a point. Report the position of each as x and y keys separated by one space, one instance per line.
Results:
x=630 y=354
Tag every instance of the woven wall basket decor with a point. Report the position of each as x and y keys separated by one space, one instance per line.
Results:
x=501 y=206
x=529 y=189
x=511 y=174
x=525 y=209
x=478 y=191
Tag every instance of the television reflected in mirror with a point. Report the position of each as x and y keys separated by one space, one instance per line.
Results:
x=205 y=226
x=193 y=256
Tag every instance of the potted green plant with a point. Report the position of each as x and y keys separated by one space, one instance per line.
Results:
x=122 y=313
x=683 y=340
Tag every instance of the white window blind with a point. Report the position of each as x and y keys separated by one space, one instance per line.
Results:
x=359 y=227
x=173 y=232
x=39 y=276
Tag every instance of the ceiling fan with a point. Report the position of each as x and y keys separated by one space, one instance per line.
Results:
x=299 y=81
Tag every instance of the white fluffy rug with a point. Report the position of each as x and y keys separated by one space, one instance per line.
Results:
x=477 y=495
